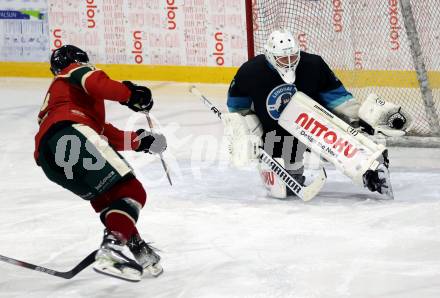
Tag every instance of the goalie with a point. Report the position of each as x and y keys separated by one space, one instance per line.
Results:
x=269 y=95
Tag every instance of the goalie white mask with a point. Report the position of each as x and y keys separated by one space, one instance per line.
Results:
x=283 y=54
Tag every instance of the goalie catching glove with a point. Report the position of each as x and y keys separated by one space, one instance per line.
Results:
x=243 y=138
x=380 y=116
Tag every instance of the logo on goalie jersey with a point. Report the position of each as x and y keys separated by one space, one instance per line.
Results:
x=278 y=99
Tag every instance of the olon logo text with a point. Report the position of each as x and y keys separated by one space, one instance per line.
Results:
x=219 y=49
x=171 y=14
x=91 y=10
x=137 y=47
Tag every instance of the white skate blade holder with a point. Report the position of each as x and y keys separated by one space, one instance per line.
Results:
x=107 y=267
x=153 y=270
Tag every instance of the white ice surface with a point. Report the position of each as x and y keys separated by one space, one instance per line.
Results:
x=219 y=234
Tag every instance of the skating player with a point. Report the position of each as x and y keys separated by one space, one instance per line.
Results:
x=77 y=149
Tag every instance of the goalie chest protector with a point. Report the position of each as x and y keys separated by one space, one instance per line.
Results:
x=259 y=81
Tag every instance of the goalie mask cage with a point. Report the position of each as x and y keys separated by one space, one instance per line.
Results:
x=387 y=47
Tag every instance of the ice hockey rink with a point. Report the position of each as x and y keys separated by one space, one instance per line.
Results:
x=219 y=235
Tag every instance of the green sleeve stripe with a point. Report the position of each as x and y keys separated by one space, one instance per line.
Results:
x=77 y=75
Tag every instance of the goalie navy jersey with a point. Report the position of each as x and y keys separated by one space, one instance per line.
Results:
x=259 y=87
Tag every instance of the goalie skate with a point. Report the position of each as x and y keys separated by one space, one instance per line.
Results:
x=111 y=260
x=380 y=181
x=145 y=256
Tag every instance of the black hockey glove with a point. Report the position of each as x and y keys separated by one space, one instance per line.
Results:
x=140 y=99
x=151 y=142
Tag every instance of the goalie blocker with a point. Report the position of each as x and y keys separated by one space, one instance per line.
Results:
x=354 y=154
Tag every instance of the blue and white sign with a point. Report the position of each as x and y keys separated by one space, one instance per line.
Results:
x=24 y=31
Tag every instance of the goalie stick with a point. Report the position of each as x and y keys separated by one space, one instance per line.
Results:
x=164 y=165
x=305 y=193
x=87 y=261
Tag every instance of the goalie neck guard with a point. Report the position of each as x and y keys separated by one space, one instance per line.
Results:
x=283 y=54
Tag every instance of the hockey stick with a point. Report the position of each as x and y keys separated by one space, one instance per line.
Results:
x=305 y=193
x=164 y=165
x=87 y=261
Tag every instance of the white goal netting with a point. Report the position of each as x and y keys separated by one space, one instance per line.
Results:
x=366 y=43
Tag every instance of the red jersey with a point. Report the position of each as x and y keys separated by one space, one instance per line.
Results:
x=77 y=94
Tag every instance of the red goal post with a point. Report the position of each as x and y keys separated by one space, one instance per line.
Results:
x=376 y=46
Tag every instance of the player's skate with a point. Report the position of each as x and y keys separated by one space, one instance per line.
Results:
x=111 y=260
x=145 y=256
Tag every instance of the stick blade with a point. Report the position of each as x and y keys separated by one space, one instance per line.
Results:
x=310 y=191
x=193 y=89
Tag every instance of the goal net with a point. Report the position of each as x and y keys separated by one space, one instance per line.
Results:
x=391 y=48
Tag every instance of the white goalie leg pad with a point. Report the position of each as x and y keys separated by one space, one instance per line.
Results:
x=330 y=137
x=273 y=184
x=384 y=117
x=243 y=138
